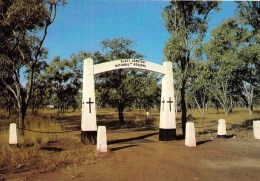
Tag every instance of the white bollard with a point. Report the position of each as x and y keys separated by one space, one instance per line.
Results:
x=12 y=134
x=102 y=139
x=147 y=113
x=256 y=129
x=222 y=131
x=190 y=139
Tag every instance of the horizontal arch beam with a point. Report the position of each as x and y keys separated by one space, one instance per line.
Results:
x=129 y=63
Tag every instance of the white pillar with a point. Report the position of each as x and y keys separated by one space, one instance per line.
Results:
x=167 y=129
x=88 y=119
x=13 y=134
x=256 y=129
x=222 y=128
x=102 y=139
x=190 y=139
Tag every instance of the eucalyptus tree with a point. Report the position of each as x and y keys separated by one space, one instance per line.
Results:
x=113 y=86
x=63 y=82
x=249 y=14
x=198 y=86
x=250 y=73
x=223 y=72
x=249 y=17
x=187 y=22
x=24 y=26
x=122 y=88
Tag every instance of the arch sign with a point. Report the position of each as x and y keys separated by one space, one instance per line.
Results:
x=167 y=128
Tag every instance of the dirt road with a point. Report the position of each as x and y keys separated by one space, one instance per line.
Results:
x=138 y=155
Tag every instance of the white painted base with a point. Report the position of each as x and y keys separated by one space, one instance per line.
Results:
x=102 y=139
x=256 y=129
x=190 y=139
x=222 y=127
x=12 y=134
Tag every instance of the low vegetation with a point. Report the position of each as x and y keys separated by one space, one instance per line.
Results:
x=45 y=151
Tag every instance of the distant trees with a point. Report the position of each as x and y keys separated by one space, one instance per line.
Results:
x=122 y=88
x=24 y=26
x=230 y=66
x=60 y=82
x=223 y=71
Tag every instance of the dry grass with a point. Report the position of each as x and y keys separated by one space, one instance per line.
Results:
x=40 y=150
x=51 y=151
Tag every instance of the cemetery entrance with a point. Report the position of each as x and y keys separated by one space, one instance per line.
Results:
x=167 y=127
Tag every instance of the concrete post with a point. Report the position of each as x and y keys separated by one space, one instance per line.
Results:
x=256 y=128
x=88 y=119
x=102 y=139
x=167 y=129
x=190 y=139
x=222 y=131
x=13 y=134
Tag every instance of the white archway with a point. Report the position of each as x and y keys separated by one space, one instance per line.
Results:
x=167 y=127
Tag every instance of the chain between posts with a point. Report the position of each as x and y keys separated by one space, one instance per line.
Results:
x=207 y=126
x=4 y=129
x=58 y=132
x=234 y=124
x=217 y=124
x=46 y=132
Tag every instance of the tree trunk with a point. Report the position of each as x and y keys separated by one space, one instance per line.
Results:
x=250 y=109
x=183 y=110
x=121 y=115
x=22 y=115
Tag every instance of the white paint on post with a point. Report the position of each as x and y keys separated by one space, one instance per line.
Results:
x=256 y=129
x=88 y=119
x=190 y=139
x=167 y=110
x=222 y=131
x=13 y=134
x=101 y=139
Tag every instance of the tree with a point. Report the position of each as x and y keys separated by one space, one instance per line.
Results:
x=222 y=73
x=122 y=88
x=39 y=88
x=186 y=21
x=24 y=26
x=249 y=14
x=250 y=73
x=198 y=86
x=64 y=83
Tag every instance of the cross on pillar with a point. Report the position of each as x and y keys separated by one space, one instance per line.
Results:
x=89 y=103
x=163 y=104
x=170 y=102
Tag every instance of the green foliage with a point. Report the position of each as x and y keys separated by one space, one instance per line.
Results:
x=63 y=82
x=187 y=22
x=249 y=14
x=231 y=46
x=24 y=26
x=124 y=88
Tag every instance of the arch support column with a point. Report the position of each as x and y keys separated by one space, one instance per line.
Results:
x=88 y=118
x=167 y=128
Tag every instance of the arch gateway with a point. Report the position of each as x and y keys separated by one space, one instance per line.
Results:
x=167 y=127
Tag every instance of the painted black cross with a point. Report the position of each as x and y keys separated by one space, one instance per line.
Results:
x=89 y=103
x=170 y=102
x=163 y=104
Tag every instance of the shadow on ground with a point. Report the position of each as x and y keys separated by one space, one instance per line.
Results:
x=139 y=139
x=122 y=147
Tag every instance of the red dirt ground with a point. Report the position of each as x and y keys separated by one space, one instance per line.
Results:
x=138 y=155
